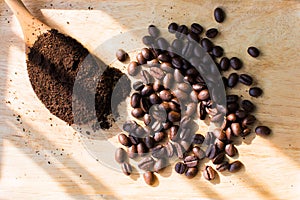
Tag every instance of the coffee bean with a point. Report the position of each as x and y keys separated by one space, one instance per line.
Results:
x=206 y=44
x=211 y=151
x=174 y=116
x=246 y=79
x=255 y=91
x=231 y=117
x=170 y=149
x=124 y=140
x=230 y=150
x=167 y=67
x=162 y=43
x=138 y=85
x=149 y=177
x=202 y=111
x=236 y=63
x=196 y=28
x=135 y=100
x=179 y=150
x=163 y=57
x=140 y=59
x=174 y=107
x=148 y=40
x=173 y=27
x=147 y=54
x=159 y=136
x=157 y=86
x=236 y=129
x=146 y=164
x=219 y=15
x=246 y=132
x=223 y=166
x=120 y=155
x=193 y=37
x=253 y=51
x=133 y=68
x=146 y=77
x=153 y=31
x=197 y=151
x=219 y=134
x=191 y=172
x=168 y=81
x=159 y=151
x=155 y=51
x=177 y=44
x=209 y=173
x=126 y=168
x=217 y=51
x=157 y=73
x=141 y=149
x=248 y=106
x=232 y=107
x=180 y=167
x=134 y=140
x=191 y=161
x=228 y=133
x=211 y=33
x=235 y=166
x=132 y=151
x=194 y=96
x=137 y=113
x=262 y=130
x=220 y=144
x=165 y=106
x=149 y=142
x=203 y=95
x=182 y=31
x=249 y=120
x=130 y=126
x=121 y=55
x=241 y=114
x=152 y=63
x=177 y=62
x=224 y=64
x=147 y=90
x=219 y=158
x=233 y=79
x=173 y=132
x=178 y=76
x=154 y=99
x=160 y=164
x=198 y=139
x=165 y=95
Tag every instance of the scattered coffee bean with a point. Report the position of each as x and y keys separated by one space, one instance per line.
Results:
x=146 y=164
x=191 y=161
x=133 y=68
x=262 y=130
x=246 y=132
x=203 y=95
x=124 y=140
x=132 y=152
x=246 y=79
x=211 y=33
x=120 y=155
x=121 y=55
x=219 y=134
x=223 y=166
x=140 y=59
x=255 y=91
x=219 y=15
x=180 y=167
x=230 y=150
x=196 y=28
x=236 y=129
x=148 y=40
x=249 y=120
x=182 y=31
x=146 y=77
x=224 y=64
x=149 y=177
x=236 y=63
x=163 y=57
x=153 y=31
x=253 y=51
x=231 y=117
x=193 y=37
x=217 y=51
x=209 y=173
x=173 y=27
x=233 y=80
x=174 y=116
x=206 y=44
x=248 y=106
x=191 y=172
x=197 y=151
x=235 y=166
x=219 y=158
x=126 y=168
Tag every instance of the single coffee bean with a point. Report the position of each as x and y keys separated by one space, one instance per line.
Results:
x=233 y=79
x=209 y=173
x=224 y=64
x=211 y=33
x=141 y=149
x=241 y=114
x=182 y=31
x=146 y=164
x=165 y=95
x=197 y=151
x=246 y=79
x=206 y=44
x=147 y=90
x=147 y=54
x=157 y=73
x=248 y=106
x=138 y=85
x=217 y=51
x=219 y=15
x=219 y=134
x=148 y=40
x=140 y=59
x=132 y=151
x=159 y=136
x=135 y=100
x=162 y=43
x=173 y=27
x=159 y=151
x=153 y=31
x=173 y=133
x=177 y=44
x=126 y=168
x=157 y=86
x=255 y=91
x=222 y=167
x=167 y=67
x=149 y=142
x=130 y=126
x=155 y=51
x=231 y=117
x=246 y=132
x=180 y=167
x=232 y=107
x=203 y=95
x=232 y=98
x=146 y=77
x=174 y=107
x=174 y=116
x=163 y=57
x=228 y=133
x=191 y=161
x=253 y=51
x=149 y=177
x=230 y=150
x=154 y=99
x=196 y=28
x=220 y=144
x=198 y=139
x=124 y=140
x=168 y=81
x=262 y=130
x=177 y=62
x=219 y=158
x=179 y=150
x=236 y=63
x=249 y=120
x=193 y=37
x=235 y=166
x=236 y=129
x=191 y=172
x=211 y=151
x=160 y=164
x=121 y=55
x=133 y=68
x=137 y=112
x=120 y=155
x=170 y=149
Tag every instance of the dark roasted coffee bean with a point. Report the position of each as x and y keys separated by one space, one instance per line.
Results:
x=236 y=129
x=159 y=151
x=173 y=27
x=209 y=173
x=164 y=57
x=231 y=117
x=137 y=112
x=241 y=114
x=174 y=107
x=206 y=44
x=153 y=31
x=235 y=166
x=174 y=116
x=192 y=72
x=165 y=106
x=124 y=140
x=135 y=100
x=196 y=28
x=147 y=54
x=121 y=55
x=130 y=126
x=179 y=150
x=202 y=111
x=191 y=172
x=262 y=130
x=157 y=86
x=180 y=167
x=146 y=77
x=198 y=139
x=168 y=81
x=133 y=68
x=224 y=64
x=120 y=155
x=140 y=59
x=249 y=120
x=219 y=15
x=246 y=132
x=149 y=177
x=147 y=90
x=219 y=134
x=154 y=99
x=236 y=63
x=173 y=133
x=222 y=167
x=255 y=91
x=198 y=87
x=217 y=51
x=219 y=158
x=211 y=33
x=159 y=136
x=177 y=62
x=248 y=106
x=232 y=107
x=148 y=40
x=253 y=51
x=197 y=151
x=203 y=95
x=211 y=151
x=138 y=85
x=160 y=164
x=233 y=79
x=220 y=144
x=191 y=161
x=149 y=142
x=230 y=150
x=170 y=149
x=152 y=63
x=141 y=149
x=165 y=95
x=126 y=168
x=246 y=79
x=157 y=73
x=182 y=31
x=162 y=43
x=155 y=51
x=146 y=164
x=193 y=37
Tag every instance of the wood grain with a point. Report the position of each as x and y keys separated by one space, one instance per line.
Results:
x=43 y=158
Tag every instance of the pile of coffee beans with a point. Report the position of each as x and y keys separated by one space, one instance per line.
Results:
x=178 y=85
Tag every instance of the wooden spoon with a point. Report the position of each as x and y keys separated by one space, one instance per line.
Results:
x=31 y=26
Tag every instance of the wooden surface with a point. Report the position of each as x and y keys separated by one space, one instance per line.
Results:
x=42 y=158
